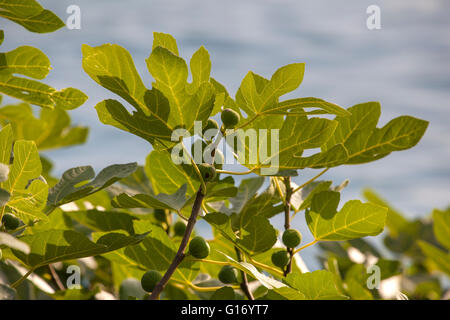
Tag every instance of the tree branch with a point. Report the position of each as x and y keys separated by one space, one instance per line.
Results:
x=287 y=219
x=244 y=283
x=56 y=278
x=180 y=253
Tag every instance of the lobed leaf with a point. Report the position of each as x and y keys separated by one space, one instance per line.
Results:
x=354 y=220
x=365 y=142
x=317 y=285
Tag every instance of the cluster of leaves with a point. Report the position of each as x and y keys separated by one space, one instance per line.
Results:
x=28 y=191
x=414 y=262
x=116 y=232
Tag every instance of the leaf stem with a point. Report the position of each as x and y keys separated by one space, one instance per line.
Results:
x=197 y=170
x=310 y=180
x=264 y=266
x=207 y=289
x=222 y=263
x=280 y=192
x=234 y=172
x=184 y=242
x=287 y=219
x=305 y=246
x=18 y=282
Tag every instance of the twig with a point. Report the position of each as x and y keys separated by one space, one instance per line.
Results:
x=222 y=263
x=244 y=283
x=56 y=278
x=287 y=219
x=18 y=282
x=207 y=289
x=180 y=253
x=263 y=266
x=196 y=169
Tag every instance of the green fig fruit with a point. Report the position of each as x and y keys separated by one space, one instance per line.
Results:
x=228 y=274
x=199 y=248
x=208 y=171
x=179 y=228
x=230 y=118
x=210 y=124
x=291 y=238
x=280 y=258
x=150 y=279
x=10 y=222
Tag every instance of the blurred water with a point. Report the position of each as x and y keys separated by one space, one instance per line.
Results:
x=405 y=66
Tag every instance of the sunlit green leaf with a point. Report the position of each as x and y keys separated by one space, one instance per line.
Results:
x=354 y=220
x=365 y=142
x=317 y=285
x=258 y=235
x=31 y=15
x=25 y=60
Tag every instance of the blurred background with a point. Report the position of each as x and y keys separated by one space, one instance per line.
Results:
x=405 y=65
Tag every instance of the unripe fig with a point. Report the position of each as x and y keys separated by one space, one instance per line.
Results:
x=210 y=124
x=160 y=215
x=150 y=279
x=280 y=258
x=179 y=228
x=208 y=171
x=199 y=248
x=228 y=274
x=230 y=118
x=10 y=222
x=291 y=238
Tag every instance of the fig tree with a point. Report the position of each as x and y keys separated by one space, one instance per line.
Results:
x=150 y=279
x=280 y=258
x=230 y=118
x=291 y=238
x=199 y=248
x=228 y=274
